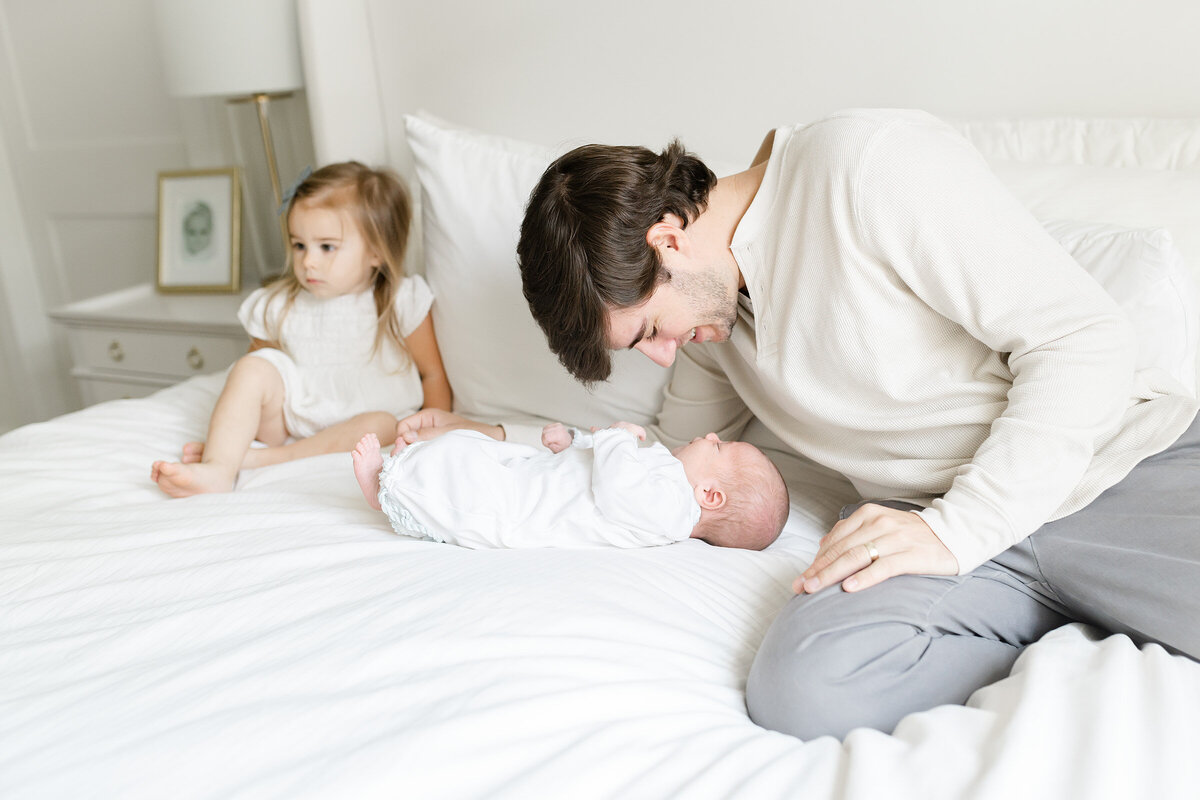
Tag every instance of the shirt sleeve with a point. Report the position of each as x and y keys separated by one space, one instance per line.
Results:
x=932 y=211
x=642 y=490
x=524 y=430
x=699 y=400
x=414 y=298
x=255 y=310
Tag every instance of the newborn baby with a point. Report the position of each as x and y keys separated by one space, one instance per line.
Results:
x=589 y=490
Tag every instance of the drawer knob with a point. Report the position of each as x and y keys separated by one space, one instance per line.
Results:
x=115 y=352
x=195 y=359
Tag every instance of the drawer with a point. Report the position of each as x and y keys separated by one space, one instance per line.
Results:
x=100 y=389
x=179 y=355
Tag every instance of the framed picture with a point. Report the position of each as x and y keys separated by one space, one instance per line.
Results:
x=199 y=231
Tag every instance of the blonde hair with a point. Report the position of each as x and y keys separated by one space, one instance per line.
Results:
x=756 y=505
x=378 y=204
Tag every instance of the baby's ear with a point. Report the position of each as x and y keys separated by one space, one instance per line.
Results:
x=710 y=498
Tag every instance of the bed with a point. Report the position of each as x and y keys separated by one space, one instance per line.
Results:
x=280 y=641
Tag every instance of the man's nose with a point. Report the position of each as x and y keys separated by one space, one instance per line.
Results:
x=661 y=352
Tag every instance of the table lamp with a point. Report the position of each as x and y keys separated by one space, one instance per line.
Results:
x=246 y=50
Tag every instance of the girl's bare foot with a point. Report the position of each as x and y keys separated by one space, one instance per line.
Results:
x=368 y=460
x=184 y=480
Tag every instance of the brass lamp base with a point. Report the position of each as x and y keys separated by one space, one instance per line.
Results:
x=260 y=100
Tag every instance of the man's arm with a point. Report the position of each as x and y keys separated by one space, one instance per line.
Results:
x=698 y=400
x=431 y=423
x=931 y=212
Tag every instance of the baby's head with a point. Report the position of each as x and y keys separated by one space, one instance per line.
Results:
x=743 y=499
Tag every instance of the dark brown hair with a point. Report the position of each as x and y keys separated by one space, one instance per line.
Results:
x=583 y=246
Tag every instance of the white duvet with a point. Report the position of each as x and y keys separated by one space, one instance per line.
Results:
x=280 y=641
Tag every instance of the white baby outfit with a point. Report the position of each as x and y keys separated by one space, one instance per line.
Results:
x=329 y=367
x=468 y=489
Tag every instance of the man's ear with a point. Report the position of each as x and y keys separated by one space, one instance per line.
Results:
x=710 y=498
x=668 y=233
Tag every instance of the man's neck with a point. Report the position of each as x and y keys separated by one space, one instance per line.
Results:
x=727 y=204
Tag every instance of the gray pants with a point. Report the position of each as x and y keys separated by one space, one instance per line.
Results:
x=1128 y=563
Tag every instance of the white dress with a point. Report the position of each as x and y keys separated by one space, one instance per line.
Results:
x=468 y=489
x=329 y=369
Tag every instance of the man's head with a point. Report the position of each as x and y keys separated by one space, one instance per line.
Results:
x=591 y=252
x=743 y=498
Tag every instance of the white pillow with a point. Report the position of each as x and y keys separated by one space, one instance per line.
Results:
x=1125 y=196
x=474 y=188
x=1145 y=273
x=1130 y=197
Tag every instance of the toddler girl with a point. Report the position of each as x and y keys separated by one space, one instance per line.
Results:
x=341 y=343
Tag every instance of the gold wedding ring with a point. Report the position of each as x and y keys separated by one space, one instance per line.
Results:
x=872 y=552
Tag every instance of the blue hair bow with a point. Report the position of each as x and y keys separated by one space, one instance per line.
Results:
x=290 y=194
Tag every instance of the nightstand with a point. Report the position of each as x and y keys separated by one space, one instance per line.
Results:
x=133 y=342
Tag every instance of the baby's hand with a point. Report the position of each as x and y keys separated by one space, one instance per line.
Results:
x=636 y=430
x=556 y=437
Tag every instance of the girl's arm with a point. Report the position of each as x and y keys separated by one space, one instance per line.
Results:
x=422 y=346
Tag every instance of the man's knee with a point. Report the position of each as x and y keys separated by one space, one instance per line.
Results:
x=835 y=661
x=810 y=682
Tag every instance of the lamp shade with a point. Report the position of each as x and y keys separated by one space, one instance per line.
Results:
x=229 y=47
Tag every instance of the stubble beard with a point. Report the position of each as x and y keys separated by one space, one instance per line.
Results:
x=711 y=299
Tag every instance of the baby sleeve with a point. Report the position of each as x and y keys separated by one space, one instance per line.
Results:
x=644 y=490
x=413 y=301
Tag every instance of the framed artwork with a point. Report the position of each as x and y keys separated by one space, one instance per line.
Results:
x=199 y=231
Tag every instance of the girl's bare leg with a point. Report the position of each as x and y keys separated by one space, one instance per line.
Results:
x=250 y=407
x=368 y=461
x=339 y=438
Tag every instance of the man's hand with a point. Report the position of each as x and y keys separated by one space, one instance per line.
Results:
x=556 y=437
x=431 y=423
x=873 y=544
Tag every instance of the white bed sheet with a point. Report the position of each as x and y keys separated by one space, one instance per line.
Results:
x=279 y=641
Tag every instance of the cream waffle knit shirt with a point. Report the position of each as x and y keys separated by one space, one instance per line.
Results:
x=911 y=326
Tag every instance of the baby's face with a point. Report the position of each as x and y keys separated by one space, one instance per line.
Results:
x=706 y=457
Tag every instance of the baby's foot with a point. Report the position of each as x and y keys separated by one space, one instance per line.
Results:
x=192 y=452
x=368 y=460
x=184 y=480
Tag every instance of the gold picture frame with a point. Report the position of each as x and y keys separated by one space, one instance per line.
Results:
x=199 y=231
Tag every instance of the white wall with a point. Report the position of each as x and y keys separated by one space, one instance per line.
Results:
x=721 y=72
x=85 y=126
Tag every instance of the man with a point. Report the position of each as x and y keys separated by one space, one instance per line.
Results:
x=873 y=295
